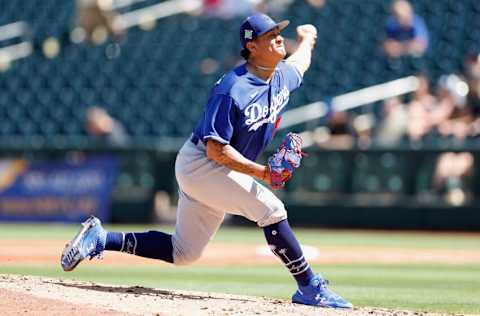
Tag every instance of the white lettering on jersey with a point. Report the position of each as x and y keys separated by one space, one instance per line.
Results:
x=259 y=115
x=254 y=112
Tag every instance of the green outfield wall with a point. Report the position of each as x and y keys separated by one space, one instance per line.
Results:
x=375 y=188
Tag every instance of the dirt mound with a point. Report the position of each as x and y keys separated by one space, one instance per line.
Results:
x=46 y=296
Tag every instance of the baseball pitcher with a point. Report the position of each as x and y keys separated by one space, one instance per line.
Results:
x=216 y=169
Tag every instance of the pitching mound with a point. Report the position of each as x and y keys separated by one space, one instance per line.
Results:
x=45 y=296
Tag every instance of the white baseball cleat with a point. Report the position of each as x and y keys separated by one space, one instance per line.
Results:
x=89 y=242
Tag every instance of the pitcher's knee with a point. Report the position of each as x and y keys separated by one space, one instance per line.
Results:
x=182 y=259
x=184 y=254
x=275 y=214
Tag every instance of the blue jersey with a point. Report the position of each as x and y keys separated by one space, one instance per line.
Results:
x=244 y=110
x=397 y=32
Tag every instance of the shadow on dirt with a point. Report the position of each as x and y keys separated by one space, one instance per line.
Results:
x=140 y=290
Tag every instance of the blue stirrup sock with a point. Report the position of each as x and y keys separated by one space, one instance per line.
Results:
x=284 y=245
x=151 y=244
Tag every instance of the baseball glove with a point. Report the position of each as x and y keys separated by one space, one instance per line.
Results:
x=285 y=160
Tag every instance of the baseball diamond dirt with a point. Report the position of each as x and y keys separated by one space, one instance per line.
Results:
x=40 y=296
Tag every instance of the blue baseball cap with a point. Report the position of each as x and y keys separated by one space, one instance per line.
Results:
x=257 y=25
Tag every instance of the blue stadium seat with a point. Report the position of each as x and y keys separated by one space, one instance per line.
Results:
x=157 y=77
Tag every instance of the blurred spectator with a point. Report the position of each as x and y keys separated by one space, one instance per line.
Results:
x=337 y=134
x=453 y=171
x=227 y=9
x=318 y=4
x=423 y=93
x=94 y=22
x=363 y=125
x=422 y=111
x=472 y=76
x=406 y=32
x=99 y=123
x=457 y=117
x=393 y=124
x=209 y=66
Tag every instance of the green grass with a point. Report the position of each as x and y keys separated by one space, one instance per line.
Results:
x=437 y=288
x=417 y=240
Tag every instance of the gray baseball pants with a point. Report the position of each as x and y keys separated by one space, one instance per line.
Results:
x=208 y=191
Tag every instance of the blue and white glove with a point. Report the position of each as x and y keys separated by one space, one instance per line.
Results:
x=283 y=163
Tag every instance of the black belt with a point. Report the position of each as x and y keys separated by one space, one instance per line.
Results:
x=194 y=139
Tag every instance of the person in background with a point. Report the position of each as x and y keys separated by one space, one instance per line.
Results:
x=406 y=32
x=472 y=78
x=317 y=4
x=393 y=124
x=228 y=9
x=100 y=124
x=454 y=170
x=423 y=111
x=94 y=19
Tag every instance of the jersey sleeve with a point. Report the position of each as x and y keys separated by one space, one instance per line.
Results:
x=292 y=76
x=220 y=118
x=421 y=31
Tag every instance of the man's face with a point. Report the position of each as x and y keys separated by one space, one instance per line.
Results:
x=269 y=47
x=403 y=12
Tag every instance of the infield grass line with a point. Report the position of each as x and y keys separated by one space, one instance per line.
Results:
x=316 y=237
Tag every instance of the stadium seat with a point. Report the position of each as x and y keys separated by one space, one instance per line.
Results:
x=157 y=78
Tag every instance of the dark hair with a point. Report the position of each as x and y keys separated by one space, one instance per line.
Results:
x=245 y=53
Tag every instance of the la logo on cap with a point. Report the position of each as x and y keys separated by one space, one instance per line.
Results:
x=248 y=34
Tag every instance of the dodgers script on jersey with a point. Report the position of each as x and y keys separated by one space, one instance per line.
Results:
x=244 y=110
